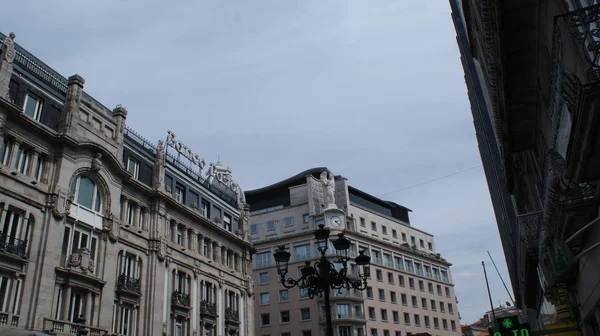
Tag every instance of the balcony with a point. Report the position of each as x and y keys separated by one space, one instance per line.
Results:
x=180 y=301
x=575 y=81
x=208 y=308
x=344 y=295
x=128 y=284
x=13 y=246
x=86 y=215
x=232 y=315
x=70 y=328
x=356 y=317
x=8 y=319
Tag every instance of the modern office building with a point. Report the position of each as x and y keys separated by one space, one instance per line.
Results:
x=104 y=230
x=410 y=290
x=532 y=72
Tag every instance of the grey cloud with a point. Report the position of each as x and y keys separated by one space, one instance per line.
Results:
x=372 y=90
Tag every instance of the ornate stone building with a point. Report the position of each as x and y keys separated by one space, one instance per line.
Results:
x=103 y=230
x=410 y=290
x=532 y=70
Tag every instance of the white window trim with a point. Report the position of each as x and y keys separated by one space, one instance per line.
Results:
x=37 y=110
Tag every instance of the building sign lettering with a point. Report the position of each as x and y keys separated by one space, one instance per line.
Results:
x=185 y=151
x=217 y=172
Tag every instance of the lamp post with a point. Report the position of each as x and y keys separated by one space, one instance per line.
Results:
x=322 y=277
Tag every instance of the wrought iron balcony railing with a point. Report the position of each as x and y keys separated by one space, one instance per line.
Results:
x=127 y=283
x=180 y=299
x=583 y=26
x=12 y=245
x=209 y=308
x=232 y=315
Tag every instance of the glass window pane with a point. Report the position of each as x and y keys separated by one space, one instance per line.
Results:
x=30 y=105
x=85 y=193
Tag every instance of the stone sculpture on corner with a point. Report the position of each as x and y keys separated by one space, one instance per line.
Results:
x=328 y=182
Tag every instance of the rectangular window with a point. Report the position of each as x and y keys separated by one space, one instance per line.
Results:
x=253 y=229
x=421 y=243
x=39 y=168
x=305 y=314
x=394 y=233
x=384 y=229
x=284 y=316
x=305 y=218
x=264 y=299
x=393 y=297
x=302 y=252
x=33 y=107
x=373 y=226
x=75 y=239
x=289 y=221
x=284 y=295
x=263 y=278
x=362 y=222
x=417 y=320
x=430 y=246
x=205 y=209
x=407 y=319
x=270 y=225
x=384 y=316
x=133 y=166
x=263 y=259
x=22 y=160
x=381 y=295
x=424 y=303
x=227 y=222
x=179 y=193
x=404 y=237
x=4 y=151
x=265 y=319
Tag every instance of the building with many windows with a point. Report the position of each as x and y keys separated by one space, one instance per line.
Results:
x=410 y=290
x=101 y=229
x=532 y=70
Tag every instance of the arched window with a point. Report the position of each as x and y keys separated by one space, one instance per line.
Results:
x=86 y=193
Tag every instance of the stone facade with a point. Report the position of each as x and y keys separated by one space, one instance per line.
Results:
x=532 y=70
x=410 y=289
x=103 y=230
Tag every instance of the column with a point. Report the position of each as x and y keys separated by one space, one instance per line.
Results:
x=193 y=240
x=88 y=309
x=123 y=208
x=3 y=212
x=173 y=231
x=46 y=166
x=184 y=236
x=66 y=303
x=24 y=225
x=194 y=299
x=14 y=151
x=220 y=312
x=217 y=252
x=200 y=244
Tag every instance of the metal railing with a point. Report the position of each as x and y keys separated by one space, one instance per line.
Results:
x=232 y=315
x=180 y=299
x=209 y=308
x=11 y=245
x=127 y=283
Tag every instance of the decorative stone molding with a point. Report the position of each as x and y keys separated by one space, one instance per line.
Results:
x=96 y=163
x=7 y=55
x=111 y=227
x=57 y=202
x=80 y=260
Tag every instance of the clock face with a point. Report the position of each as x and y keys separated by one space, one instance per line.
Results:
x=335 y=221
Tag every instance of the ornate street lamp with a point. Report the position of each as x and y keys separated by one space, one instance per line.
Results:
x=322 y=277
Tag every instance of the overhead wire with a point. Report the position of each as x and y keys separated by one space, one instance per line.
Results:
x=430 y=181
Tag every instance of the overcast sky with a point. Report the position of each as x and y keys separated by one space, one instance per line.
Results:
x=372 y=89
